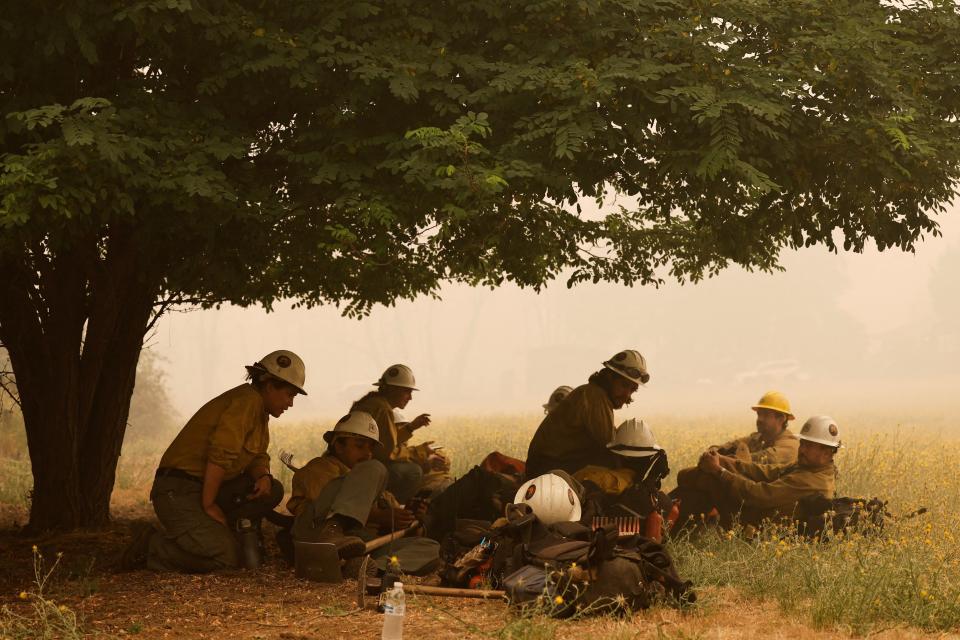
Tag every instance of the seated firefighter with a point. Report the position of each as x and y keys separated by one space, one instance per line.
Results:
x=632 y=487
x=339 y=497
x=217 y=472
x=556 y=398
x=773 y=442
x=759 y=492
x=394 y=391
x=577 y=432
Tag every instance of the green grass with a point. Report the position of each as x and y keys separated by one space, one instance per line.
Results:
x=39 y=616
x=909 y=575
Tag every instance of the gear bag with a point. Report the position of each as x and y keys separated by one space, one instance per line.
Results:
x=478 y=495
x=643 y=499
x=602 y=574
x=819 y=517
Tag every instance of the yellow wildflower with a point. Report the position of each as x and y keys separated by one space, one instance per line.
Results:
x=558 y=600
x=24 y=595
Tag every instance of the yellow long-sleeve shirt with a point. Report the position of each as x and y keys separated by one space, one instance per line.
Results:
x=782 y=451
x=775 y=488
x=310 y=479
x=230 y=431
x=391 y=437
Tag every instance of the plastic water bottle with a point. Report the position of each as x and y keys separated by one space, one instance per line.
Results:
x=394 y=608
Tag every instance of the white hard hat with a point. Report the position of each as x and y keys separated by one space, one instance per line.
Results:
x=634 y=438
x=558 y=394
x=822 y=430
x=355 y=423
x=630 y=364
x=285 y=365
x=398 y=417
x=398 y=375
x=551 y=498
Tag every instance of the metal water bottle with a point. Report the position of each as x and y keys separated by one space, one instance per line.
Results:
x=249 y=545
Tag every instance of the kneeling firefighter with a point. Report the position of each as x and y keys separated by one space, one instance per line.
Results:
x=216 y=473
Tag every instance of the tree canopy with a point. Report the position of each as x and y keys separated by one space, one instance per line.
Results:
x=356 y=152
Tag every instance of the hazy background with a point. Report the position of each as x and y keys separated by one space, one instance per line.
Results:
x=864 y=333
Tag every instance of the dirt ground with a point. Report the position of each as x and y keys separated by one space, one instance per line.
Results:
x=271 y=603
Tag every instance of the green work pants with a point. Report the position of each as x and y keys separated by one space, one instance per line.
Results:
x=700 y=492
x=194 y=542
x=403 y=479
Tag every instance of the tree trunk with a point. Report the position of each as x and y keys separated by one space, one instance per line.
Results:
x=73 y=323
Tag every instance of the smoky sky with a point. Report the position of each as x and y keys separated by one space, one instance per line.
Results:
x=835 y=332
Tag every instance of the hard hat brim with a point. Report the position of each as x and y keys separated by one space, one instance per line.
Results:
x=634 y=452
x=379 y=383
x=637 y=381
x=834 y=445
x=789 y=415
x=329 y=435
x=252 y=370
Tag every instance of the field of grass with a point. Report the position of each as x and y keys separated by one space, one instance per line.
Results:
x=906 y=577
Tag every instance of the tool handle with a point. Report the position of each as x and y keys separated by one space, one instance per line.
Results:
x=376 y=543
x=490 y=594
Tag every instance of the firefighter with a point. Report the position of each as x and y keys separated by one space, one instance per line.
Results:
x=756 y=491
x=341 y=492
x=577 y=432
x=556 y=398
x=773 y=442
x=394 y=391
x=217 y=471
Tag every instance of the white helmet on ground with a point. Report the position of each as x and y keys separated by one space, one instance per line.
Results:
x=551 y=497
x=398 y=375
x=556 y=397
x=398 y=417
x=355 y=423
x=283 y=365
x=634 y=439
x=822 y=430
x=630 y=364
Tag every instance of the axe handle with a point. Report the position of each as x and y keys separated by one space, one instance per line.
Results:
x=376 y=543
x=456 y=593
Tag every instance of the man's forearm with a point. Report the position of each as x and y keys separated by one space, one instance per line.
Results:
x=212 y=479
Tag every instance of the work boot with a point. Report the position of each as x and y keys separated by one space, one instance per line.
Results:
x=134 y=556
x=347 y=546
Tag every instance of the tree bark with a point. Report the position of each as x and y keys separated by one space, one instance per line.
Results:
x=73 y=323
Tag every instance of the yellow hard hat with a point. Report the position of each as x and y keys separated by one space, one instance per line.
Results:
x=775 y=401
